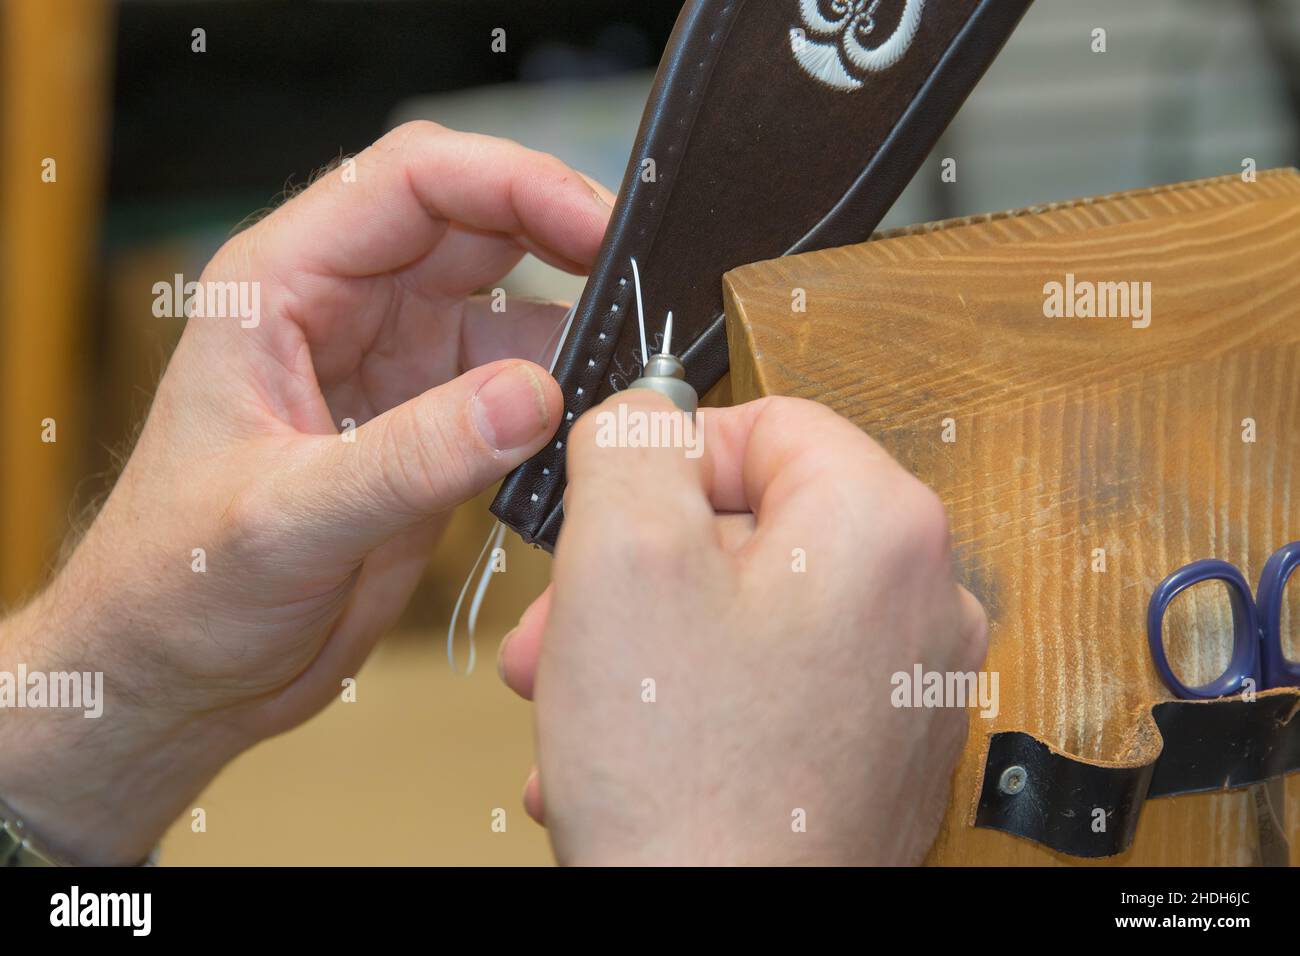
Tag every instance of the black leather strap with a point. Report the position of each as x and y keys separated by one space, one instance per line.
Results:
x=757 y=141
x=1055 y=799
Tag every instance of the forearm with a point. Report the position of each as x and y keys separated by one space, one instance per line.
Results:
x=92 y=789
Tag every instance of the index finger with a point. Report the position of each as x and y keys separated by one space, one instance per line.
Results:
x=795 y=464
x=393 y=202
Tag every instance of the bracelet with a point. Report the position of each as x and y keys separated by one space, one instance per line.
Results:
x=18 y=847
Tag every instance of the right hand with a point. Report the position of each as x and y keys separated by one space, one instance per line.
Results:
x=772 y=690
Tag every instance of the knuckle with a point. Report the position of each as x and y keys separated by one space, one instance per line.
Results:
x=412 y=133
x=825 y=463
x=778 y=417
x=657 y=548
x=783 y=411
x=977 y=637
x=422 y=461
x=924 y=533
x=404 y=474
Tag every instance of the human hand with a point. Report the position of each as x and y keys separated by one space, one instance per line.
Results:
x=312 y=544
x=771 y=687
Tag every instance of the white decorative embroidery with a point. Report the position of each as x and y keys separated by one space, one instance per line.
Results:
x=832 y=46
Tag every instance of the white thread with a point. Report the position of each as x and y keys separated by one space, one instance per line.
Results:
x=564 y=335
x=494 y=541
x=668 y=335
x=498 y=536
x=640 y=312
x=455 y=611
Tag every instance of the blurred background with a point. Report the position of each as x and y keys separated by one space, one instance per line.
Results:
x=162 y=152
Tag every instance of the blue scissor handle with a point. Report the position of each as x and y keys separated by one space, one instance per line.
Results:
x=1245 y=629
x=1276 y=669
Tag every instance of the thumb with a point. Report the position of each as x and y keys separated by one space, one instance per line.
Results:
x=435 y=451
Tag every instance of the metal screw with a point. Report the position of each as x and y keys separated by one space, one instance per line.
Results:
x=1013 y=780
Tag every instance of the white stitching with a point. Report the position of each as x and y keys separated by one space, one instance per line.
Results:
x=724 y=15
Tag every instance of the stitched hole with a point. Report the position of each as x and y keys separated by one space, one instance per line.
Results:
x=546 y=471
x=535 y=498
x=579 y=391
x=602 y=336
x=591 y=363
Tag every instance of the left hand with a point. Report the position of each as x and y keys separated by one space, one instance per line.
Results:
x=312 y=544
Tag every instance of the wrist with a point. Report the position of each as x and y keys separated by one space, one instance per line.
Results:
x=96 y=768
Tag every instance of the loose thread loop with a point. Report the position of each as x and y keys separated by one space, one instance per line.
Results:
x=496 y=537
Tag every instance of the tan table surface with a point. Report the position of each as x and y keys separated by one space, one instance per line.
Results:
x=407 y=775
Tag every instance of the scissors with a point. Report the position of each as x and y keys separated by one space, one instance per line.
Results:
x=1258 y=654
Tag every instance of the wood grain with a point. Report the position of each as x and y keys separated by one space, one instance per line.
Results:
x=1072 y=434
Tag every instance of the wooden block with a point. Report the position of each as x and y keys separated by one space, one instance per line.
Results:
x=1071 y=435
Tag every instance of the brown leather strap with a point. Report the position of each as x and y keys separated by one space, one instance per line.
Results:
x=773 y=127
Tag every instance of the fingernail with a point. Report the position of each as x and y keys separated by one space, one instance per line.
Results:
x=501 y=653
x=510 y=408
